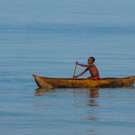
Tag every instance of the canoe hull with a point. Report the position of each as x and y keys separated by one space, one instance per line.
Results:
x=49 y=83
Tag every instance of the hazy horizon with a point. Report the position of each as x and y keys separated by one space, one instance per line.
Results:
x=100 y=12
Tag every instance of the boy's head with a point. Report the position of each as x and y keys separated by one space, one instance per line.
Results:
x=91 y=60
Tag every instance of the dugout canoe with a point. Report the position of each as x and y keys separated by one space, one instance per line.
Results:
x=48 y=83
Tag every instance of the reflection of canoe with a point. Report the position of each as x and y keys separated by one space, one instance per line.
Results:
x=45 y=82
x=41 y=91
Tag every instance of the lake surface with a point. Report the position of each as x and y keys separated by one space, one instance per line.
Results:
x=47 y=38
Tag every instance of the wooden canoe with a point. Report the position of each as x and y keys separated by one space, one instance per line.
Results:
x=46 y=82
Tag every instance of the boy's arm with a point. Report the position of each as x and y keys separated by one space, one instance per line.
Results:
x=82 y=73
x=82 y=65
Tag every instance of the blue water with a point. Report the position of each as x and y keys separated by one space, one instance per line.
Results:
x=46 y=38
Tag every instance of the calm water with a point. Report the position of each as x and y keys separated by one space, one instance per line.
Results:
x=47 y=38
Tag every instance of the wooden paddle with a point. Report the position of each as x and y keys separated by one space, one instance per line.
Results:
x=74 y=70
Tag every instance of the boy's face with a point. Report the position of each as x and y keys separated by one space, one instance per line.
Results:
x=90 y=61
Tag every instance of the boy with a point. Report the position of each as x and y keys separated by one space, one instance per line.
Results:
x=91 y=67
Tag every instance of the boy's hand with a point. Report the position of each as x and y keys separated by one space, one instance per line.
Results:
x=77 y=63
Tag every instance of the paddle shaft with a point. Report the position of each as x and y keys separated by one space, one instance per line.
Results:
x=75 y=70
